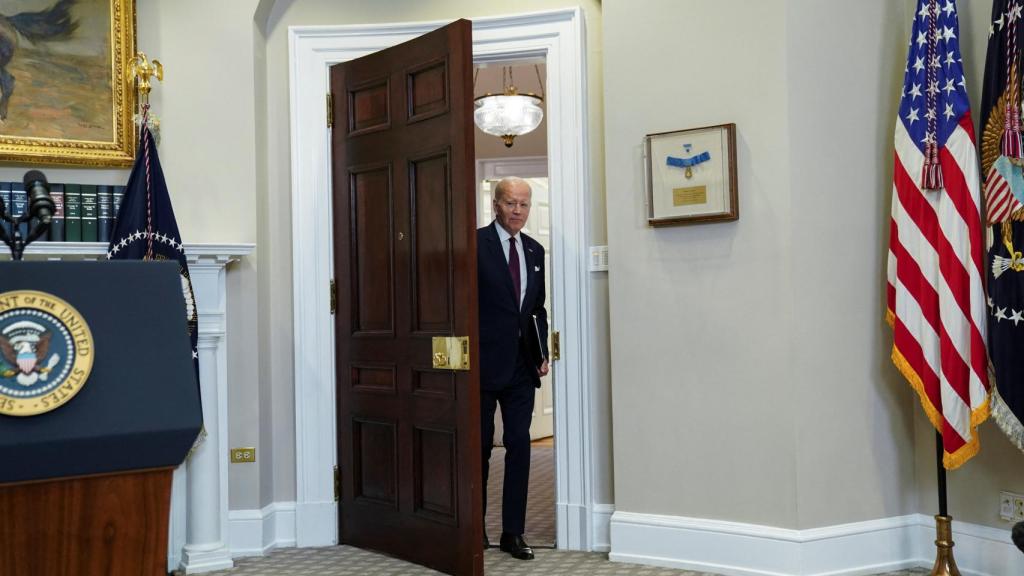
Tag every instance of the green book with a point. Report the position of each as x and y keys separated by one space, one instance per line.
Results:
x=72 y=213
x=90 y=213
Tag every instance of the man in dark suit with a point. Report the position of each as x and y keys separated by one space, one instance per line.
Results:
x=513 y=347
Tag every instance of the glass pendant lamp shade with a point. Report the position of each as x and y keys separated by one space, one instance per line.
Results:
x=508 y=115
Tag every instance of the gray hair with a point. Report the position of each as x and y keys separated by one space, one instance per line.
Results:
x=505 y=184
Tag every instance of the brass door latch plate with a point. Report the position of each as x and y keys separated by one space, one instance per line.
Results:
x=450 y=352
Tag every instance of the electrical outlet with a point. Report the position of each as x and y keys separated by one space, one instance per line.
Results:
x=1006 y=506
x=243 y=455
x=1011 y=507
x=598 y=258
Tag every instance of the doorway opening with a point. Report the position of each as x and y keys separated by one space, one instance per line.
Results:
x=527 y=158
x=557 y=36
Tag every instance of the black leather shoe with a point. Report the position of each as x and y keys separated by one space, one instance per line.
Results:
x=516 y=546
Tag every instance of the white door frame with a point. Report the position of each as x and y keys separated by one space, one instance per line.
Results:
x=559 y=37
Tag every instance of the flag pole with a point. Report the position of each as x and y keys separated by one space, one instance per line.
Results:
x=945 y=565
x=943 y=511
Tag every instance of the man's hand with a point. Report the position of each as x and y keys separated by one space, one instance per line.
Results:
x=543 y=370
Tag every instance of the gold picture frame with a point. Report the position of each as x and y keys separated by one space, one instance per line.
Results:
x=691 y=176
x=72 y=100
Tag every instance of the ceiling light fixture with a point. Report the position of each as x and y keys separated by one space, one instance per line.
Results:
x=510 y=113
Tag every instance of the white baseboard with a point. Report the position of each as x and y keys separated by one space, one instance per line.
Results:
x=256 y=532
x=857 y=549
x=601 y=522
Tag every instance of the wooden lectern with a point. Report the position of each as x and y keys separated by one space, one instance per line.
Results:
x=85 y=488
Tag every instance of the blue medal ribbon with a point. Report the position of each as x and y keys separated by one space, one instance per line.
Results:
x=688 y=162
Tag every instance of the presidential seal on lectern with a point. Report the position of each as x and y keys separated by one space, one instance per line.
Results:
x=46 y=352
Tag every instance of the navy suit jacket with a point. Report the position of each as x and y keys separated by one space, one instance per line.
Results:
x=503 y=324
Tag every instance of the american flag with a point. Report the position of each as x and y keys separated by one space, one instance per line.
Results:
x=936 y=300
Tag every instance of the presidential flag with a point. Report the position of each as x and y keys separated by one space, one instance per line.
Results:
x=936 y=301
x=146 y=228
x=1001 y=153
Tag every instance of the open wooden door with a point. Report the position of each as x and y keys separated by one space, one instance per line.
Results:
x=405 y=262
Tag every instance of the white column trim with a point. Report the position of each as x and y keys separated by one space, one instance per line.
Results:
x=208 y=269
x=559 y=37
x=601 y=527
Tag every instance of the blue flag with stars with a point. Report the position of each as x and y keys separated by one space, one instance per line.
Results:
x=146 y=228
x=1001 y=143
x=934 y=99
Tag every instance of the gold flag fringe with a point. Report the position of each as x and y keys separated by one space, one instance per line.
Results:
x=200 y=438
x=951 y=460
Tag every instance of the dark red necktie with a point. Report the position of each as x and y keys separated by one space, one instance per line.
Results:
x=513 y=267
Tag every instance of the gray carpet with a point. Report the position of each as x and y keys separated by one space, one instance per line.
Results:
x=540 y=504
x=348 y=561
x=540 y=531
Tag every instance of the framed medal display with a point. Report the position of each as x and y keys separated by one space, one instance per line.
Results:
x=691 y=176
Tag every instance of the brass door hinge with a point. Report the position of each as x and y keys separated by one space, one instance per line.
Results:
x=334 y=296
x=330 y=110
x=556 y=345
x=337 y=484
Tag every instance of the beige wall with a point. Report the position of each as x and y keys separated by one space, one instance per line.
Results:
x=750 y=360
x=854 y=413
x=209 y=158
x=701 y=315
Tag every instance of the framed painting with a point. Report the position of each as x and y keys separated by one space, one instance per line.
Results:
x=65 y=95
x=691 y=176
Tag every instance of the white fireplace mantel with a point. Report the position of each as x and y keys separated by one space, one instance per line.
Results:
x=199 y=497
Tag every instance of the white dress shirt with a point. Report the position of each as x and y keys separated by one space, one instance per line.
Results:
x=503 y=235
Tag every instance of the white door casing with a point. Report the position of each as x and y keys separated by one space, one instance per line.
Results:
x=557 y=36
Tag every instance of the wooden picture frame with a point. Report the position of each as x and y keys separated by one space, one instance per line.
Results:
x=691 y=176
x=72 y=101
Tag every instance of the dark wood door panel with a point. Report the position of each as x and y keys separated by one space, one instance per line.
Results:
x=375 y=459
x=433 y=383
x=427 y=89
x=370 y=379
x=432 y=266
x=372 y=275
x=434 y=482
x=404 y=217
x=369 y=106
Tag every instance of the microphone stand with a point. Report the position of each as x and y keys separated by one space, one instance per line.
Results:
x=15 y=241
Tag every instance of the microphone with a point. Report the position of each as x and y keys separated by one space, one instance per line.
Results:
x=40 y=204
